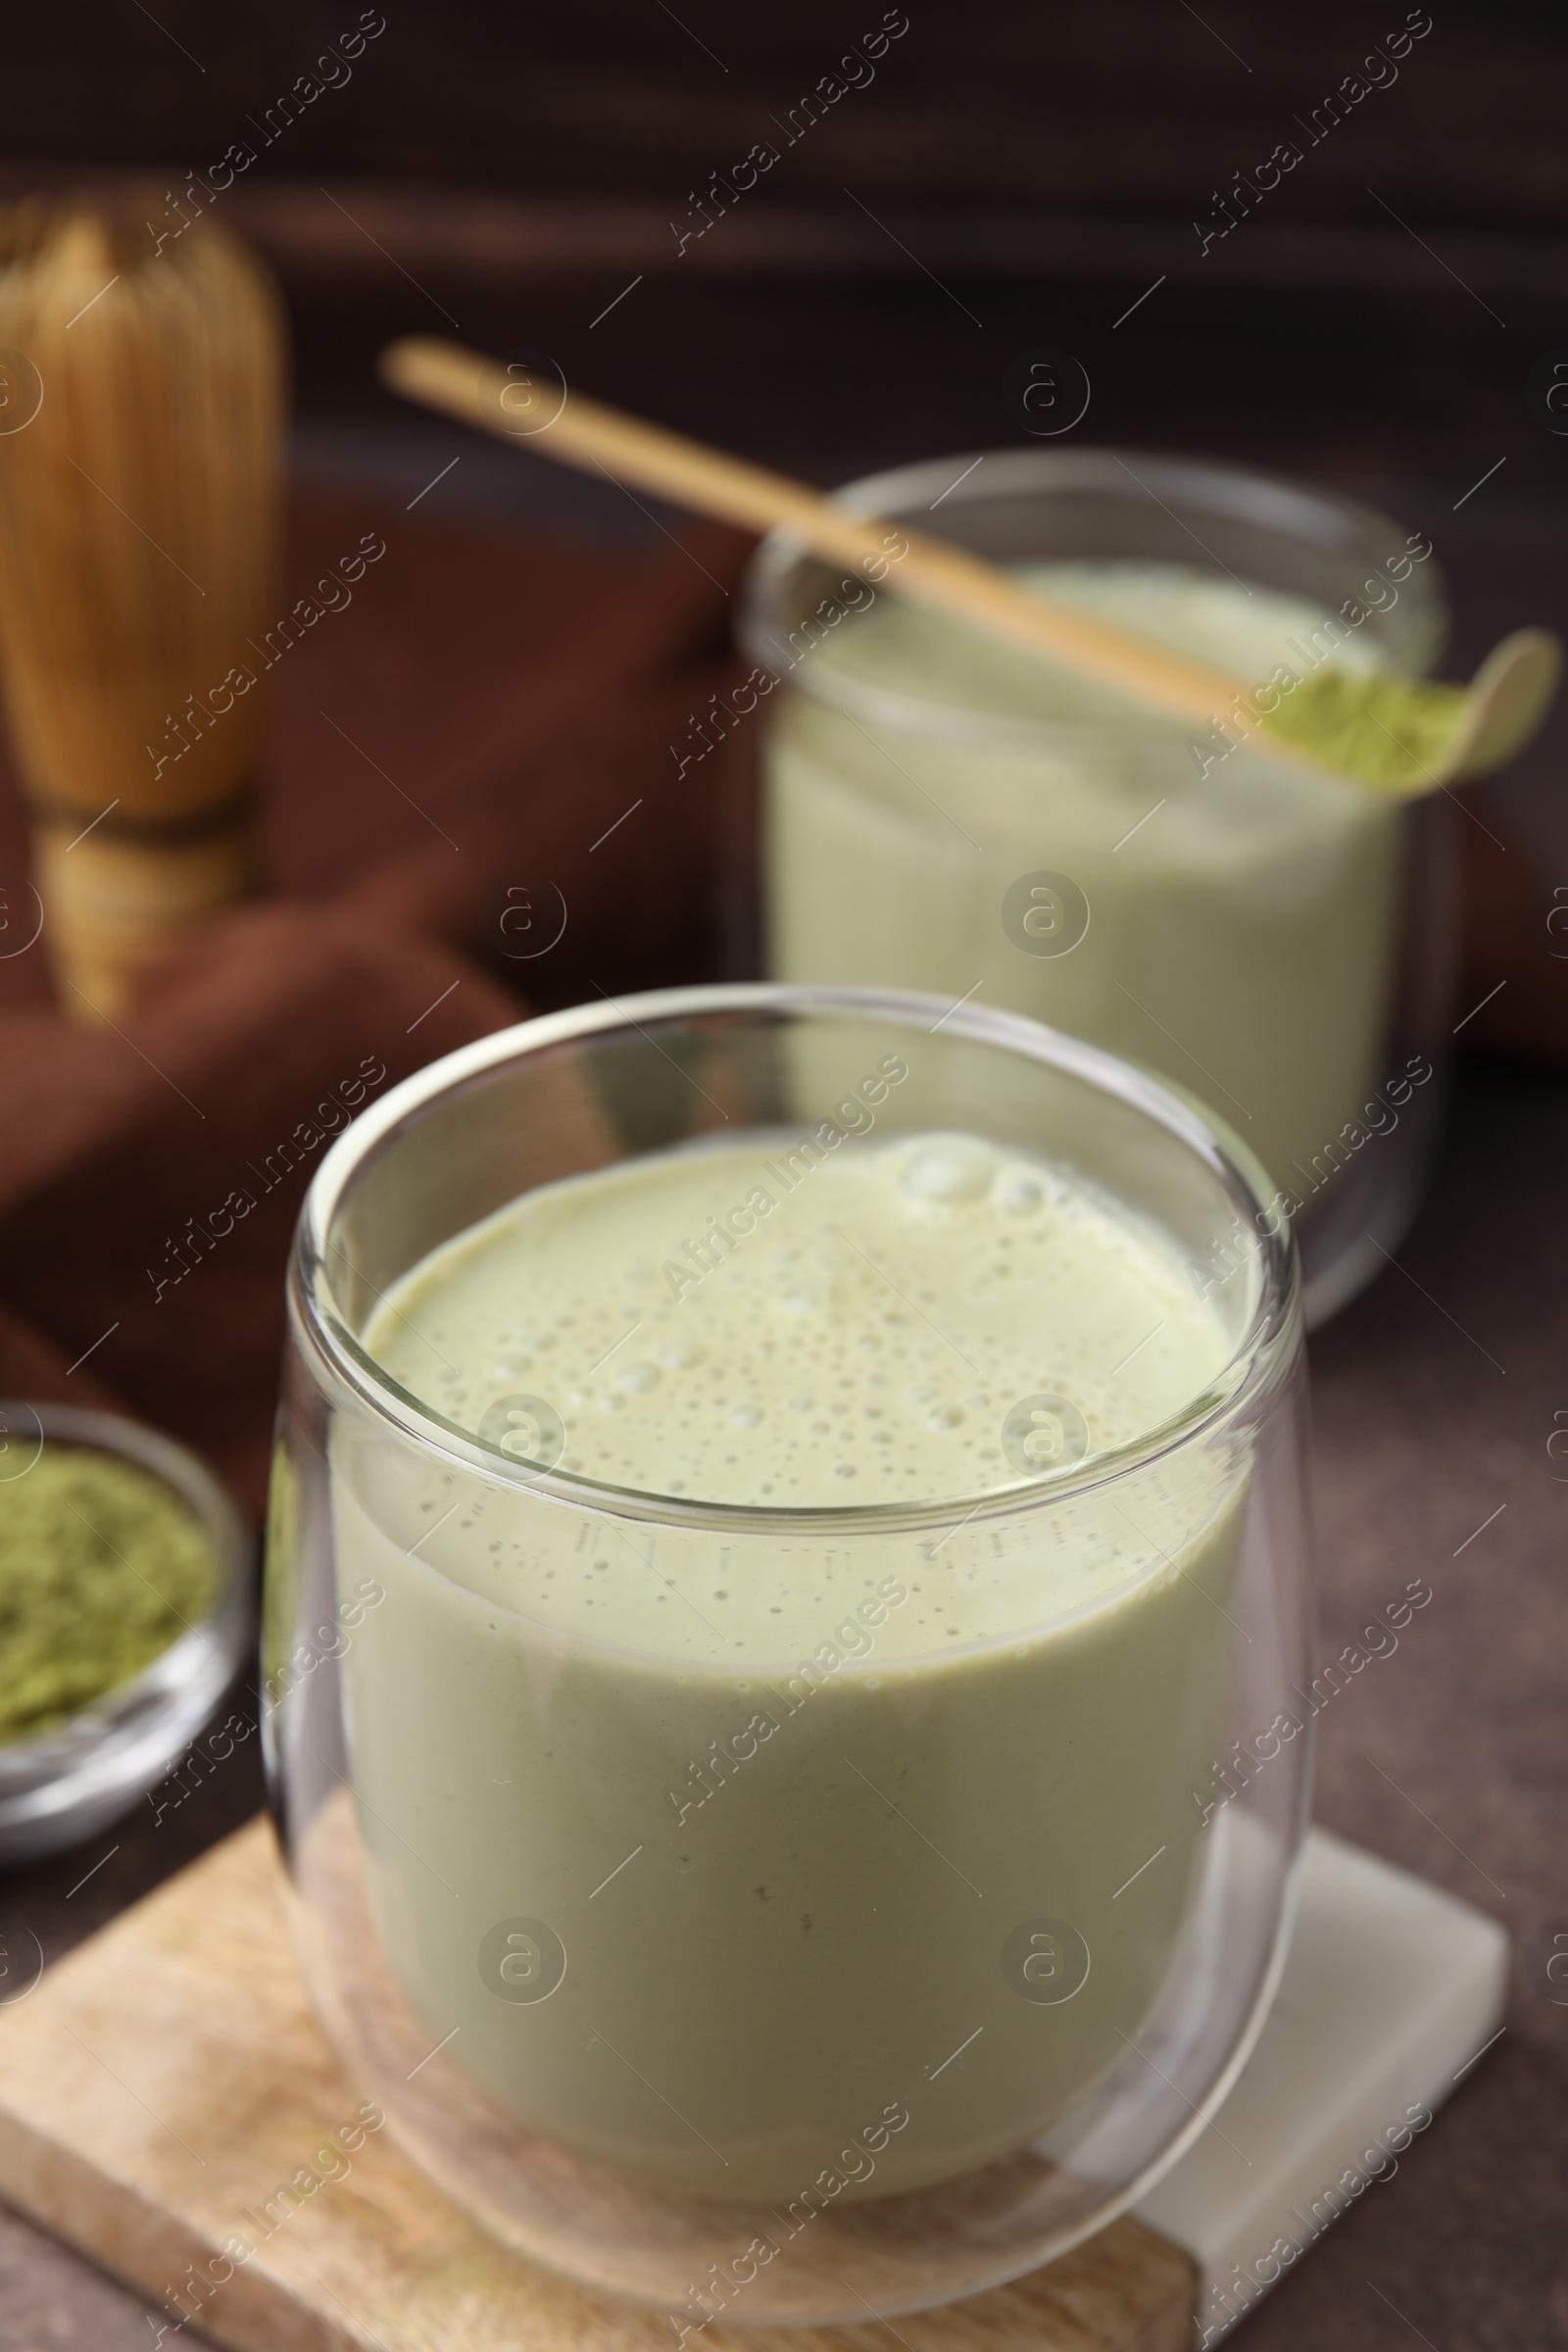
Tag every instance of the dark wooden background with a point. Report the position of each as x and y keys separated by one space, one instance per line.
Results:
x=1043 y=164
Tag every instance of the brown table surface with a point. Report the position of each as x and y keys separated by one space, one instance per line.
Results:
x=1436 y=1395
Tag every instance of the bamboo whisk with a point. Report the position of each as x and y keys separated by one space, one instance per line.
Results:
x=140 y=465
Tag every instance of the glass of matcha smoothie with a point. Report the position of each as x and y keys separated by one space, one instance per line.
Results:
x=786 y=1584
x=949 y=812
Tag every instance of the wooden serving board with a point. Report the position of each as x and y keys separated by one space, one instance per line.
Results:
x=164 y=2078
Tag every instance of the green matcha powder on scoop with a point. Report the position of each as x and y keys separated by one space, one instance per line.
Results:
x=1393 y=733
x=102 y=1567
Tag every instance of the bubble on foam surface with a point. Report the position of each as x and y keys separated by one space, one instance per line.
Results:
x=1019 y=1192
x=951 y=1167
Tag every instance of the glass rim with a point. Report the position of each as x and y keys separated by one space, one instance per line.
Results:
x=1275 y=1316
x=782 y=557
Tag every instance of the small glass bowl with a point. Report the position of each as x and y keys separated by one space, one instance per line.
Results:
x=68 y=1784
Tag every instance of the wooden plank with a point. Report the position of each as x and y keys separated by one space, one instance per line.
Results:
x=163 y=2080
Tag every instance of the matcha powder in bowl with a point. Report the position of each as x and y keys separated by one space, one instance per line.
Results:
x=124 y=1609
x=102 y=1567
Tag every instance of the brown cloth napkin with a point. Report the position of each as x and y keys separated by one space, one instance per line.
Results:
x=475 y=713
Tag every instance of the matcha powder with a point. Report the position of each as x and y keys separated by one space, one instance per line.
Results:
x=1389 y=732
x=102 y=1566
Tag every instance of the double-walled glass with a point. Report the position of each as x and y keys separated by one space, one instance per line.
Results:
x=859 y=1974
x=1279 y=941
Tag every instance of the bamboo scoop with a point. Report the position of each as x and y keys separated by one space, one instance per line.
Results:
x=1394 y=736
x=140 y=463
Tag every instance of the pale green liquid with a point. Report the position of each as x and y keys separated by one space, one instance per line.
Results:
x=1242 y=923
x=683 y=1749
